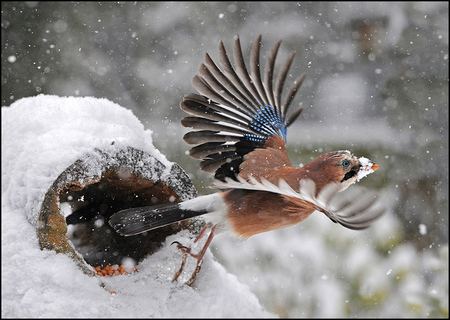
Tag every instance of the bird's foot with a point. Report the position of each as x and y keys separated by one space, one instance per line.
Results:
x=198 y=256
x=187 y=251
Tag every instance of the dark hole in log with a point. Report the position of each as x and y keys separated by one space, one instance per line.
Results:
x=92 y=207
x=93 y=200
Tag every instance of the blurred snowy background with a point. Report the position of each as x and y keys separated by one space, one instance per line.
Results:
x=377 y=84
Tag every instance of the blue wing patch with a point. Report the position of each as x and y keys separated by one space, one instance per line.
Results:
x=268 y=122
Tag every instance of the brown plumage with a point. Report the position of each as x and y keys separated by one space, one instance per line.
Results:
x=239 y=123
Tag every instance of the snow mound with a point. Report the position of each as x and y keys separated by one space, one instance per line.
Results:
x=41 y=137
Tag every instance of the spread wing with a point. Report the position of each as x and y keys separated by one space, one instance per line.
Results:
x=355 y=209
x=236 y=111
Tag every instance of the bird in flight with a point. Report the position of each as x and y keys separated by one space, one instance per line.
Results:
x=239 y=121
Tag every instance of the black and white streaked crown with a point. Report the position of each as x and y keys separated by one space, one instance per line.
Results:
x=236 y=112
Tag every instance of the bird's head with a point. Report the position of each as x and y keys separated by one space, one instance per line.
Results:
x=339 y=167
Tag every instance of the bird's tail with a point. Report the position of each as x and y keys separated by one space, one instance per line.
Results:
x=133 y=221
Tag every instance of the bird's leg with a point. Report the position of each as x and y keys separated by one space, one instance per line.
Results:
x=198 y=256
x=183 y=262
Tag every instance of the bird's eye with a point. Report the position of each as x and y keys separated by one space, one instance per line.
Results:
x=345 y=163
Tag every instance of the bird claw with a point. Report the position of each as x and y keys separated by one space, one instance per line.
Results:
x=187 y=251
x=198 y=256
x=182 y=248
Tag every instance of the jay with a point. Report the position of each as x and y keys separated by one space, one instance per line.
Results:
x=239 y=121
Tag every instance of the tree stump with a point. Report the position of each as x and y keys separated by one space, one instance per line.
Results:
x=100 y=184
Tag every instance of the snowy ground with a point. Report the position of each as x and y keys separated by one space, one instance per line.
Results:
x=43 y=135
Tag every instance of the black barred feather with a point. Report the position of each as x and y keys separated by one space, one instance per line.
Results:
x=203 y=150
x=244 y=76
x=236 y=94
x=255 y=72
x=226 y=90
x=291 y=93
x=202 y=123
x=279 y=83
x=231 y=74
x=268 y=74
x=205 y=136
x=237 y=111
x=294 y=115
x=208 y=111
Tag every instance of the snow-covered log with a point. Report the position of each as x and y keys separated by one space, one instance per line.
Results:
x=91 y=156
x=98 y=185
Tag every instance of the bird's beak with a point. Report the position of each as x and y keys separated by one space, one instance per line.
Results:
x=367 y=167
